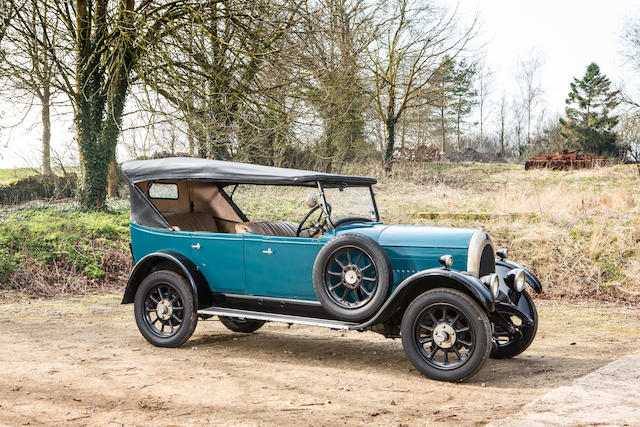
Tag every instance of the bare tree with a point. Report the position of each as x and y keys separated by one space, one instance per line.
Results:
x=519 y=123
x=7 y=11
x=531 y=92
x=218 y=68
x=503 y=109
x=28 y=65
x=629 y=136
x=631 y=40
x=484 y=90
x=334 y=39
x=416 y=40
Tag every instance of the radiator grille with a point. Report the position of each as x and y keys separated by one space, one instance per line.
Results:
x=487 y=261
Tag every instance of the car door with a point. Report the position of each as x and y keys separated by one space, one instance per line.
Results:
x=220 y=257
x=278 y=266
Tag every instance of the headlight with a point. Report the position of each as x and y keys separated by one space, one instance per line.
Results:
x=446 y=261
x=493 y=283
x=516 y=279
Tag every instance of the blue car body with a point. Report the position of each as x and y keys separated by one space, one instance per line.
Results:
x=233 y=263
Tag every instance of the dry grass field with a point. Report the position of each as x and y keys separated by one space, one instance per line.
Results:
x=578 y=230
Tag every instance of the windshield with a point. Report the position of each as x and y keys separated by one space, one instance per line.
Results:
x=350 y=202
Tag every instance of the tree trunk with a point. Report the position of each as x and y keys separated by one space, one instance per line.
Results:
x=46 y=130
x=391 y=121
x=458 y=131
x=444 y=132
x=192 y=144
x=529 y=124
x=481 y=122
x=391 y=140
x=97 y=137
x=112 y=181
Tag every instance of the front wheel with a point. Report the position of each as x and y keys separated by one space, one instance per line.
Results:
x=507 y=346
x=446 y=335
x=164 y=309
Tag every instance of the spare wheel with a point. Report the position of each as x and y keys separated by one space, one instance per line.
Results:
x=352 y=277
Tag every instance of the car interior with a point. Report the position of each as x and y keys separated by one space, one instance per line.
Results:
x=205 y=207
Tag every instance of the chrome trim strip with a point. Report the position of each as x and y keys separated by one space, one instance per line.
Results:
x=283 y=318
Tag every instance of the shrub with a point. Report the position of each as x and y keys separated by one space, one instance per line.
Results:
x=38 y=187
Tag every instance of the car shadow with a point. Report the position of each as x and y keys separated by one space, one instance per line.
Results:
x=370 y=353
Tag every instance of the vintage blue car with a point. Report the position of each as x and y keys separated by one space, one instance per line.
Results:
x=198 y=255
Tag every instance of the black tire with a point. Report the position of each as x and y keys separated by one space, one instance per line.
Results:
x=513 y=347
x=352 y=277
x=466 y=328
x=237 y=324
x=170 y=290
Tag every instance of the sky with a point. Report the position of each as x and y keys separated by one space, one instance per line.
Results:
x=567 y=34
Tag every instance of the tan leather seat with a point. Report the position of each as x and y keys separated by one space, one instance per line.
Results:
x=272 y=228
x=192 y=222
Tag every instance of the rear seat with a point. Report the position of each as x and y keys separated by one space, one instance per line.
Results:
x=192 y=222
x=207 y=223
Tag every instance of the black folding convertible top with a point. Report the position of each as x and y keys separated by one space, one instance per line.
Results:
x=189 y=168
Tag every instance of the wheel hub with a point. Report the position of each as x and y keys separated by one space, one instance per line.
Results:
x=351 y=277
x=444 y=336
x=164 y=309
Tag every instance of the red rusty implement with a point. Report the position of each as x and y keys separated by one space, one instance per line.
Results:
x=565 y=160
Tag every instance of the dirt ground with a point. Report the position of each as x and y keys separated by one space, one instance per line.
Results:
x=81 y=361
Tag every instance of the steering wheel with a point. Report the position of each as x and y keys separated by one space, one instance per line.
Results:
x=344 y=221
x=319 y=226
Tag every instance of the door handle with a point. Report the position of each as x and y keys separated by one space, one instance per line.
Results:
x=268 y=252
x=196 y=246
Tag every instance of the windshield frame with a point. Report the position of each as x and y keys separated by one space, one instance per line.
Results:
x=321 y=187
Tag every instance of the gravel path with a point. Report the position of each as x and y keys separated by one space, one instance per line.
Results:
x=608 y=396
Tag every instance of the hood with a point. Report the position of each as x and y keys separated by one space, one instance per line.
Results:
x=425 y=236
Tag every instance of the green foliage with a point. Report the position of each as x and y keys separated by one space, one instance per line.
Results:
x=463 y=94
x=74 y=241
x=590 y=122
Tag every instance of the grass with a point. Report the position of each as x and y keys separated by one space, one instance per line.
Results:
x=51 y=250
x=580 y=231
x=7 y=175
x=583 y=241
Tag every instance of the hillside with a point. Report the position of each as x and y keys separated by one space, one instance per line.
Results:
x=578 y=230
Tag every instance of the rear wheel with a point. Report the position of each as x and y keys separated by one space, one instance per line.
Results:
x=237 y=324
x=164 y=309
x=446 y=335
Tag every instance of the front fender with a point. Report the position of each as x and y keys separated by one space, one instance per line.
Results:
x=170 y=260
x=425 y=280
x=503 y=267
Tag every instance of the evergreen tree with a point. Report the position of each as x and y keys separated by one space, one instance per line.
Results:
x=463 y=95
x=589 y=120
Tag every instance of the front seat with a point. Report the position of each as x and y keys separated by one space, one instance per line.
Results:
x=271 y=228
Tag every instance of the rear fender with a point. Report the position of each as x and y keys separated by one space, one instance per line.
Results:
x=425 y=280
x=169 y=260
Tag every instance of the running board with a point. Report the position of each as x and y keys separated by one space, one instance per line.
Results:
x=283 y=318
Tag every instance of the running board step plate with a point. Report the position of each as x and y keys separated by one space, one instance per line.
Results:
x=283 y=318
